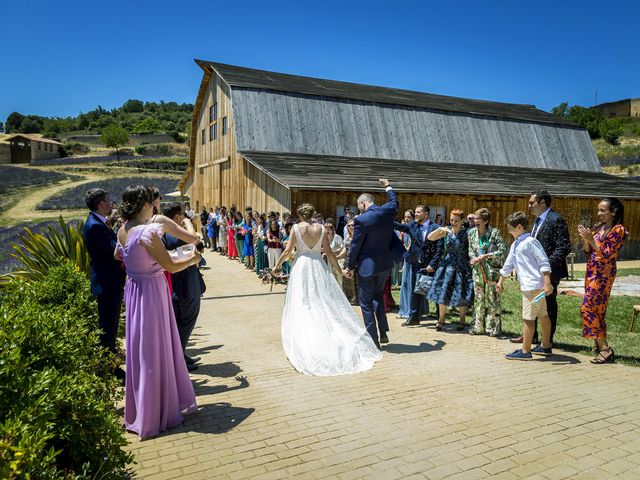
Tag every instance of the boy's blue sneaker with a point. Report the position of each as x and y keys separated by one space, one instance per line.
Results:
x=545 y=352
x=519 y=355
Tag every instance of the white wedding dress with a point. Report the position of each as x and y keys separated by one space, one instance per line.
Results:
x=321 y=333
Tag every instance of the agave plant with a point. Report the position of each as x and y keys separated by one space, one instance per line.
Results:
x=38 y=252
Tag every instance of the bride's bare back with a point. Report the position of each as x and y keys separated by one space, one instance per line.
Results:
x=310 y=234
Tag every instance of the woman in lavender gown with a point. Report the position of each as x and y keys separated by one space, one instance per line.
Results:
x=158 y=388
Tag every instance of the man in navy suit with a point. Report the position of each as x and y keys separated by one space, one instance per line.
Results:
x=186 y=292
x=107 y=274
x=374 y=248
x=423 y=254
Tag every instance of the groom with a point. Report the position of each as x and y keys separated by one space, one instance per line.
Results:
x=374 y=248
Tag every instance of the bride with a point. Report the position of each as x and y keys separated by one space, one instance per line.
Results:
x=321 y=333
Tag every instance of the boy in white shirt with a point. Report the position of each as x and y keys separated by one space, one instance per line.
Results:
x=531 y=264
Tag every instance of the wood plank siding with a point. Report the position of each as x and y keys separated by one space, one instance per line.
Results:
x=269 y=121
x=218 y=174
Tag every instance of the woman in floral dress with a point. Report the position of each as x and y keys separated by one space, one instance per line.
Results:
x=486 y=251
x=601 y=245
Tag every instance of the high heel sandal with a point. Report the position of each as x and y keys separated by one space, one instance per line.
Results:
x=600 y=359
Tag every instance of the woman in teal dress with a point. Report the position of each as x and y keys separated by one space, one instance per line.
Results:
x=259 y=242
x=239 y=235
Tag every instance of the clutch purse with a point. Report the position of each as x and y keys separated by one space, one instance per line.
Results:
x=423 y=284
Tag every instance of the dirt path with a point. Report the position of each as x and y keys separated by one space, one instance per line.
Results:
x=25 y=208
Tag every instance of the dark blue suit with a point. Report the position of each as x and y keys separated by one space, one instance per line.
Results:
x=186 y=295
x=422 y=253
x=107 y=277
x=374 y=248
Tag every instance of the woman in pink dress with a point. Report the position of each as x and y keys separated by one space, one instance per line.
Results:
x=231 y=237
x=158 y=388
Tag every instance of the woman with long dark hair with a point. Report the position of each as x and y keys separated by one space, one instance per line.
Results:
x=158 y=390
x=601 y=245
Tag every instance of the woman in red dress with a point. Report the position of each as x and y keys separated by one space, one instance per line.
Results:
x=232 y=249
x=601 y=246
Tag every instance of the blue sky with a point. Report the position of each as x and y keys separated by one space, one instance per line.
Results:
x=60 y=58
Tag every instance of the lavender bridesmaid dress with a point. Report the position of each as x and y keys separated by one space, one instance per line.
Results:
x=158 y=388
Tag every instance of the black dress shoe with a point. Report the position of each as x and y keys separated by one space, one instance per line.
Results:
x=191 y=360
x=192 y=367
x=384 y=338
x=410 y=322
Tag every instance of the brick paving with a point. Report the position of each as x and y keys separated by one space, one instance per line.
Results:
x=438 y=405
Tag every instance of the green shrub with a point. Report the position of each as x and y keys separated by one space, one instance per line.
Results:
x=75 y=148
x=57 y=396
x=611 y=129
x=161 y=149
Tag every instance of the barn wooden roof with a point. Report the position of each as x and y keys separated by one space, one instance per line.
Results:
x=264 y=80
x=316 y=172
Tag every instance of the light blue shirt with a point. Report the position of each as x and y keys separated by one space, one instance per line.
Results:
x=527 y=258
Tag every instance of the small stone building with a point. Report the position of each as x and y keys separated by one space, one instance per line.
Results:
x=26 y=147
x=629 y=107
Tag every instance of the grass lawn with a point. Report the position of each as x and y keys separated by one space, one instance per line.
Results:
x=568 y=334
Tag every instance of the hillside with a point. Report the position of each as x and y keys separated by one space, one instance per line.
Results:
x=135 y=116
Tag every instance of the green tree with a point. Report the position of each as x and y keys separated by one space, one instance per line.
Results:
x=561 y=110
x=114 y=136
x=147 y=125
x=611 y=129
x=1 y=127
x=14 y=122
x=133 y=106
x=589 y=118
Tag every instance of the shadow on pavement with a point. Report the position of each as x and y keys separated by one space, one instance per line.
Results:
x=197 y=352
x=214 y=418
x=202 y=388
x=224 y=370
x=556 y=359
x=242 y=296
x=423 y=347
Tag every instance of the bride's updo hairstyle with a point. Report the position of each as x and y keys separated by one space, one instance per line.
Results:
x=134 y=198
x=305 y=212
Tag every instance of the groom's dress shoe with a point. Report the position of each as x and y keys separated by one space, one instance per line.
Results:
x=410 y=322
x=192 y=367
x=191 y=360
x=384 y=338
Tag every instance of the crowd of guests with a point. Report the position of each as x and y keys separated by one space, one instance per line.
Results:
x=137 y=249
x=464 y=263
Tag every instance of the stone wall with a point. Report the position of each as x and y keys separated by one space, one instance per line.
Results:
x=5 y=153
x=43 y=151
x=621 y=108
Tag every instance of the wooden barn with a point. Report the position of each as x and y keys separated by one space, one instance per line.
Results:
x=274 y=141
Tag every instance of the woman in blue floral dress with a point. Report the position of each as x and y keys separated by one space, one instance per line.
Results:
x=452 y=282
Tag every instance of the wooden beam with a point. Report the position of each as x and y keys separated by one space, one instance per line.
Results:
x=215 y=162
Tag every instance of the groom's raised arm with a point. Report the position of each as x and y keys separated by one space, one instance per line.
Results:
x=392 y=205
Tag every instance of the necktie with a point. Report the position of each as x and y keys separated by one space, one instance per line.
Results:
x=536 y=225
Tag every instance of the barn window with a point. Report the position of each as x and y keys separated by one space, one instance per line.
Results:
x=203 y=140
x=38 y=145
x=213 y=112
x=213 y=132
x=224 y=125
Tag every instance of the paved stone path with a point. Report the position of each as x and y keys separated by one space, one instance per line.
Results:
x=438 y=405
